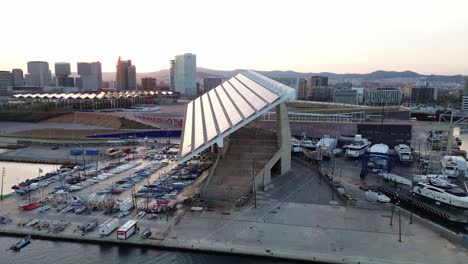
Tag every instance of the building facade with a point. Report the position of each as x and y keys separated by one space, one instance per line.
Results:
x=423 y=95
x=17 y=77
x=211 y=83
x=299 y=85
x=185 y=72
x=318 y=81
x=465 y=95
x=62 y=69
x=321 y=94
x=38 y=74
x=125 y=78
x=382 y=96
x=171 y=75
x=5 y=82
x=132 y=79
x=148 y=83
x=90 y=79
x=346 y=96
x=62 y=74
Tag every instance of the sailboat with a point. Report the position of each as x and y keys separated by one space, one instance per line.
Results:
x=31 y=205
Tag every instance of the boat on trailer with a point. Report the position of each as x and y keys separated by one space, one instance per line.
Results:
x=404 y=153
x=357 y=147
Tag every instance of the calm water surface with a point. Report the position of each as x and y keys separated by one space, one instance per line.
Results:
x=54 y=252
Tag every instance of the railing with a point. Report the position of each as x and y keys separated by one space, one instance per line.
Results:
x=309 y=117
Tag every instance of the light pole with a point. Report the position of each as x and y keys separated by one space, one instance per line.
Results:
x=3 y=175
x=253 y=185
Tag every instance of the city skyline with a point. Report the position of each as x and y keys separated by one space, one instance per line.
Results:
x=428 y=37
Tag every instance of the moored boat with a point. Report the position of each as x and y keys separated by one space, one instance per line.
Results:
x=22 y=243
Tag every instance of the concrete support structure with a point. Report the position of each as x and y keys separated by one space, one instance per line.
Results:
x=284 y=137
x=282 y=155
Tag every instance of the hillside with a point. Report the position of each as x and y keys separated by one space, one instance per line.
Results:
x=372 y=76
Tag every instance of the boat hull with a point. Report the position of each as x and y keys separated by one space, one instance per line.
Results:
x=30 y=206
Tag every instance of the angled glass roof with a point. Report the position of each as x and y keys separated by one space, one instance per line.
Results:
x=226 y=108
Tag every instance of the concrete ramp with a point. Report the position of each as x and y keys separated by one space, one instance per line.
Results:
x=232 y=177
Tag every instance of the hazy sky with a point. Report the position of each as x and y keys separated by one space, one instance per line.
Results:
x=337 y=36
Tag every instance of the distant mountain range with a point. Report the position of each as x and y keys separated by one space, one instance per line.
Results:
x=405 y=76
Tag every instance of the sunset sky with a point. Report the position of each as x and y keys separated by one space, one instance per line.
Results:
x=307 y=36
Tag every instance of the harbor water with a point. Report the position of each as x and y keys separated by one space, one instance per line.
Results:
x=59 y=252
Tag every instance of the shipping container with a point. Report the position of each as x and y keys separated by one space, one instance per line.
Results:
x=108 y=226
x=127 y=230
x=126 y=205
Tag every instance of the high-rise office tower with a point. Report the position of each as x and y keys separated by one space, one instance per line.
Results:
x=318 y=81
x=125 y=78
x=171 y=75
x=38 y=74
x=62 y=73
x=17 y=78
x=465 y=95
x=210 y=83
x=62 y=69
x=5 y=82
x=90 y=79
x=132 y=81
x=185 y=72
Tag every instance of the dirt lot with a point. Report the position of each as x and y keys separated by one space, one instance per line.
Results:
x=92 y=119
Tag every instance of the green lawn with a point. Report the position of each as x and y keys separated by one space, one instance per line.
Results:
x=6 y=196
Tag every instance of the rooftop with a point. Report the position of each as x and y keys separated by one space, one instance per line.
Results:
x=228 y=107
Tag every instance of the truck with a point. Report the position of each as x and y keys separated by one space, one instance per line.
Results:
x=127 y=230
x=108 y=226
x=126 y=205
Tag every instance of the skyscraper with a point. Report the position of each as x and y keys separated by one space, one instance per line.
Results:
x=5 y=82
x=171 y=75
x=125 y=78
x=465 y=95
x=17 y=78
x=185 y=72
x=38 y=74
x=132 y=81
x=62 y=73
x=318 y=81
x=90 y=79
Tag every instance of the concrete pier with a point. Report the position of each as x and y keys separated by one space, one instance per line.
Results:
x=295 y=220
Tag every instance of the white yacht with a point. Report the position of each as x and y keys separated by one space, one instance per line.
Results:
x=295 y=145
x=404 y=153
x=308 y=144
x=452 y=196
x=357 y=147
x=379 y=148
x=326 y=145
x=374 y=157
x=450 y=165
